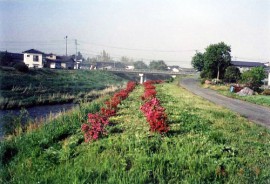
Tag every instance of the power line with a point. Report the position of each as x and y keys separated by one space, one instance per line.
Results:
x=136 y=49
x=139 y=59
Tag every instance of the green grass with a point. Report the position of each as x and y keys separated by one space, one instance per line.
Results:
x=44 y=86
x=256 y=99
x=206 y=144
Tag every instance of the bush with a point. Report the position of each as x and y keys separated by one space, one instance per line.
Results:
x=21 y=67
x=253 y=78
x=203 y=80
x=232 y=74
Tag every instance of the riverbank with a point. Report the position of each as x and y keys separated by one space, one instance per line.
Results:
x=16 y=118
x=205 y=144
x=45 y=86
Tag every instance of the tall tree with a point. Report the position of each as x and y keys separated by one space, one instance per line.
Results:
x=198 y=61
x=140 y=65
x=158 y=65
x=217 y=58
x=104 y=56
x=126 y=60
x=5 y=59
x=79 y=56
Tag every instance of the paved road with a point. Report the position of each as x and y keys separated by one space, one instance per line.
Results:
x=255 y=113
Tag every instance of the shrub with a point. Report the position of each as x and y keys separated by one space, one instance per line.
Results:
x=232 y=74
x=96 y=126
x=253 y=78
x=21 y=67
x=153 y=111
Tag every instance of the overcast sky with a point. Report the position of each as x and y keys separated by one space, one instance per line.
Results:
x=170 y=30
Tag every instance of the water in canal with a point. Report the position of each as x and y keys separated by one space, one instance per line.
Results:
x=37 y=112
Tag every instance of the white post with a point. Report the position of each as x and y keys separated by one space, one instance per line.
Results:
x=141 y=80
x=269 y=78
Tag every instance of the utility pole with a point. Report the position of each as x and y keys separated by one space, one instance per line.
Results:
x=76 y=49
x=76 y=43
x=66 y=44
x=76 y=55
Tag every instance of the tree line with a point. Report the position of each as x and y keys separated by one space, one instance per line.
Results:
x=105 y=57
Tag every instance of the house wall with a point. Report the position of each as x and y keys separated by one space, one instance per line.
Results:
x=269 y=79
x=63 y=65
x=243 y=69
x=52 y=65
x=28 y=59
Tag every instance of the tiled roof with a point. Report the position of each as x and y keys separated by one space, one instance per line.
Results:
x=60 y=59
x=33 y=51
x=247 y=64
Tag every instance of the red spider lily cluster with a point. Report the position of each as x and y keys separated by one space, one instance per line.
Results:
x=97 y=122
x=153 y=111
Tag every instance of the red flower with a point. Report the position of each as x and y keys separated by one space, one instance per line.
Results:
x=96 y=126
x=153 y=111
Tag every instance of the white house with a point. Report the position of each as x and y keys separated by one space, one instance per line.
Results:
x=174 y=68
x=60 y=62
x=130 y=67
x=269 y=77
x=33 y=58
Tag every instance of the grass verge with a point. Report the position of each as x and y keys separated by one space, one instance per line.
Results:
x=256 y=99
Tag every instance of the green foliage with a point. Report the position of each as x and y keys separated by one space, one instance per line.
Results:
x=232 y=74
x=140 y=65
x=217 y=58
x=158 y=65
x=198 y=61
x=21 y=67
x=253 y=77
x=5 y=59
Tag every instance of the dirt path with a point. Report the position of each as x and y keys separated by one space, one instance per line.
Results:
x=255 y=113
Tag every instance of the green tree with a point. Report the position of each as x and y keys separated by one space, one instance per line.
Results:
x=140 y=65
x=104 y=56
x=5 y=59
x=232 y=74
x=198 y=61
x=158 y=65
x=80 y=56
x=126 y=60
x=217 y=58
x=253 y=77
x=22 y=67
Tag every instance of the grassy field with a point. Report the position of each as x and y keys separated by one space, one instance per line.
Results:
x=256 y=99
x=51 y=86
x=206 y=144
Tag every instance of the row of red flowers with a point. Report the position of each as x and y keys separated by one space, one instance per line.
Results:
x=153 y=111
x=95 y=127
